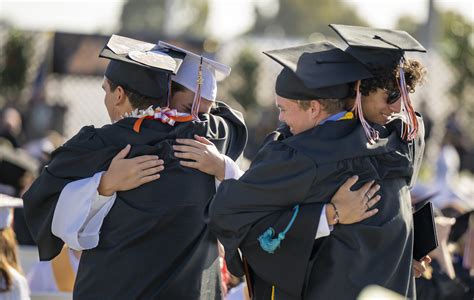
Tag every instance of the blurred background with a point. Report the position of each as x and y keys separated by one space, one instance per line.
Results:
x=50 y=73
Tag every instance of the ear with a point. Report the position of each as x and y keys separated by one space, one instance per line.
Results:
x=315 y=108
x=120 y=96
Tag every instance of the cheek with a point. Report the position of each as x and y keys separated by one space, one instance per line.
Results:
x=396 y=107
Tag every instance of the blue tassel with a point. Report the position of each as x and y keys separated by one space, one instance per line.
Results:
x=268 y=243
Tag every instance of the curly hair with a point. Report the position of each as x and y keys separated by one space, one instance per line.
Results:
x=385 y=77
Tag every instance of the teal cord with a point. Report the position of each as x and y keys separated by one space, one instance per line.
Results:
x=270 y=244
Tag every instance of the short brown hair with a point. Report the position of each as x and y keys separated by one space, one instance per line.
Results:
x=330 y=106
x=137 y=100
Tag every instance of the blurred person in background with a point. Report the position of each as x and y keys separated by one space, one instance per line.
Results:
x=11 y=126
x=18 y=169
x=13 y=285
x=449 y=276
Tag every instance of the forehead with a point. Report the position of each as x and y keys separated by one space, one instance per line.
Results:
x=282 y=101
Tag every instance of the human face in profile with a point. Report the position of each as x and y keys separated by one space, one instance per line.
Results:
x=291 y=113
x=380 y=104
x=182 y=101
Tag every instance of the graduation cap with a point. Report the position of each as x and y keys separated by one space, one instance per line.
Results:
x=212 y=71
x=376 y=47
x=140 y=67
x=6 y=212
x=198 y=74
x=316 y=71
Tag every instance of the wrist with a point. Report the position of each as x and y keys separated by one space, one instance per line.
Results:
x=105 y=188
x=220 y=172
x=332 y=215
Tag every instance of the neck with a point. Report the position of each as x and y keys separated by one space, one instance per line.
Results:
x=321 y=117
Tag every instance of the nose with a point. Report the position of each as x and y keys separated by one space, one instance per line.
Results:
x=280 y=117
x=396 y=106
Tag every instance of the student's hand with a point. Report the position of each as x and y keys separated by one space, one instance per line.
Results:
x=126 y=174
x=204 y=155
x=353 y=206
x=419 y=267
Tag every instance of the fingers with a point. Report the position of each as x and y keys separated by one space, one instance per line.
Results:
x=374 y=201
x=151 y=171
x=203 y=140
x=350 y=182
x=123 y=153
x=419 y=268
x=373 y=190
x=189 y=164
x=150 y=164
x=188 y=149
x=369 y=214
x=150 y=178
x=144 y=158
x=365 y=188
x=187 y=155
x=191 y=142
x=427 y=259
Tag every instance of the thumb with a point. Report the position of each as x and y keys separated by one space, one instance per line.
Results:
x=123 y=153
x=202 y=140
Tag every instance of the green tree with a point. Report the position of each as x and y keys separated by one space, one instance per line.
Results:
x=165 y=17
x=305 y=17
x=243 y=87
x=14 y=65
x=454 y=39
x=457 y=45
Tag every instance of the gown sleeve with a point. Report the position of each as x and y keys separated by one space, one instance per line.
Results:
x=80 y=212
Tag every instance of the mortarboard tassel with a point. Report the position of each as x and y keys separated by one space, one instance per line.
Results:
x=197 y=94
x=410 y=124
x=270 y=244
x=371 y=134
x=169 y=92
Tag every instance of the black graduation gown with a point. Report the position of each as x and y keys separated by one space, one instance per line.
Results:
x=153 y=242
x=307 y=169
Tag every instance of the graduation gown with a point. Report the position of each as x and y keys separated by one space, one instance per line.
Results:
x=153 y=242
x=307 y=169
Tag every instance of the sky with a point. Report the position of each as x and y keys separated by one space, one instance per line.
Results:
x=227 y=19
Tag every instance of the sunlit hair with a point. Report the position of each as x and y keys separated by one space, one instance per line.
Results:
x=8 y=258
x=331 y=106
x=387 y=77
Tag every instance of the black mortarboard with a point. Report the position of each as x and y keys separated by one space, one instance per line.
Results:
x=316 y=71
x=375 y=46
x=139 y=66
